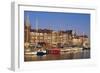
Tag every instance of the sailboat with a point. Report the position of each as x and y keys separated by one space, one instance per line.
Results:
x=39 y=52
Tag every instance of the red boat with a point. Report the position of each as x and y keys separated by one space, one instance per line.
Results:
x=54 y=51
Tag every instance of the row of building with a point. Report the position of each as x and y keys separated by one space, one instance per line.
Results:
x=50 y=37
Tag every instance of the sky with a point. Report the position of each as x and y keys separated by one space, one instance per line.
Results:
x=78 y=22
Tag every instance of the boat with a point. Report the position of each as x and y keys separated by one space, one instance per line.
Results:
x=53 y=51
x=41 y=53
x=30 y=53
x=86 y=48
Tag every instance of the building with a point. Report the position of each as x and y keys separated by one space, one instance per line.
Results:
x=81 y=40
x=50 y=37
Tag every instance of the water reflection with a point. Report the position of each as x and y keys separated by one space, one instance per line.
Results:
x=84 y=54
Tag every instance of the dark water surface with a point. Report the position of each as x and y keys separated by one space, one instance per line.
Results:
x=85 y=54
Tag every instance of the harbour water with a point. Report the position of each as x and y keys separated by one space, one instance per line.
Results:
x=84 y=54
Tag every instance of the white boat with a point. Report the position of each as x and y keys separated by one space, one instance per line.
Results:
x=31 y=53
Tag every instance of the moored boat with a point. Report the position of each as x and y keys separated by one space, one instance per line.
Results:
x=41 y=53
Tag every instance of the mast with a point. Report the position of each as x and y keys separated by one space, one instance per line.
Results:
x=27 y=21
x=27 y=32
x=82 y=38
x=50 y=42
x=36 y=34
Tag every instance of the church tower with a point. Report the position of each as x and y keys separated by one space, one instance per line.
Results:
x=27 y=28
